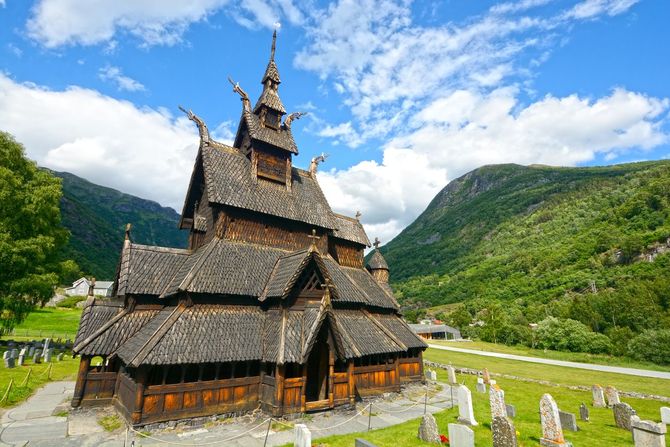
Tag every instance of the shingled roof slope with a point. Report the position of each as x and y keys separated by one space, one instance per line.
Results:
x=125 y=327
x=131 y=348
x=145 y=269
x=93 y=317
x=375 y=294
x=367 y=338
x=229 y=183
x=271 y=99
x=377 y=261
x=281 y=138
x=285 y=273
x=350 y=229
x=404 y=333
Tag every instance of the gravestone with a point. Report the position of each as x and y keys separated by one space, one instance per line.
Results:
x=461 y=436
x=303 y=437
x=6 y=355
x=363 y=443
x=486 y=376
x=47 y=341
x=22 y=352
x=37 y=358
x=15 y=353
x=552 y=432
x=466 y=414
x=428 y=429
x=510 y=410
x=504 y=433
x=568 y=420
x=612 y=396
x=451 y=375
x=665 y=415
x=583 y=412
x=598 y=396
x=497 y=402
x=31 y=351
x=431 y=375
x=622 y=413
x=47 y=356
x=9 y=362
x=648 y=433
x=60 y=357
x=481 y=386
x=492 y=382
x=21 y=360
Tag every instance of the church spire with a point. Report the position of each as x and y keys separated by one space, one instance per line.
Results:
x=269 y=103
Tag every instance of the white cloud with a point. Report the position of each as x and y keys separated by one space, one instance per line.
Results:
x=140 y=151
x=55 y=23
x=588 y=9
x=464 y=130
x=114 y=74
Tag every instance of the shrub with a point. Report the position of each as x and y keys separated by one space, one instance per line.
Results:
x=70 y=302
x=652 y=345
x=570 y=335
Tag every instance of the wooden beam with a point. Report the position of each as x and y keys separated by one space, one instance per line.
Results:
x=141 y=380
x=279 y=390
x=84 y=364
x=352 y=381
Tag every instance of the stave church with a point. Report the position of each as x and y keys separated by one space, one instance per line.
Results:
x=271 y=306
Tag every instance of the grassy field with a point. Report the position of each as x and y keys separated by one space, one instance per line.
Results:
x=64 y=370
x=49 y=322
x=581 y=357
x=600 y=431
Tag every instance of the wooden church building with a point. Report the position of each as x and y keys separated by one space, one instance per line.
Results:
x=270 y=306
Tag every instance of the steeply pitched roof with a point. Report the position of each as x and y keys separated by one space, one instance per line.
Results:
x=146 y=270
x=377 y=261
x=94 y=316
x=350 y=229
x=229 y=183
x=269 y=98
x=281 y=138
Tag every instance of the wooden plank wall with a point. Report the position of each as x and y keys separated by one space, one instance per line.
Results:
x=99 y=386
x=126 y=389
x=347 y=255
x=341 y=388
x=293 y=391
x=410 y=369
x=376 y=379
x=186 y=400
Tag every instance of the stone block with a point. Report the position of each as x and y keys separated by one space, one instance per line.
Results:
x=568 y=420
x=648 y=433
x=428 y=429
x=584 y=412
x=503 y=431
x=622 y=414
x=510 y=410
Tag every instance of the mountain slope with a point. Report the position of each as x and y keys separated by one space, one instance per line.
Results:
x=96 y=217
x=510 y=231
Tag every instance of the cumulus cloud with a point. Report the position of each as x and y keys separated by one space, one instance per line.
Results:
x=55 y=23
x=464 y=130
x=141 y=151
x=122 y=82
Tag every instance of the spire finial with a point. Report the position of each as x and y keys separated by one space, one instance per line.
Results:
x=314 y=239
x=376 y=243
x=274 y=43
x=358 y=215
x=128 y=227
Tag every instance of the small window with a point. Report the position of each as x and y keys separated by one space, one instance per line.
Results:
x=272 y=119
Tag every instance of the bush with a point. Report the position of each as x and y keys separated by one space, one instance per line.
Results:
x=652 y=346
x=70 y=302
x=570 y=335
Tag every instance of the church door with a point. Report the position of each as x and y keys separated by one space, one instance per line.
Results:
x=318 y=368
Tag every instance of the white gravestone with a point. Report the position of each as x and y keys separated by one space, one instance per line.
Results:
x=481 y=386
x=461 y=436
x=466 y=414
x=665 y=415
x=451 y=375
x=303 y=437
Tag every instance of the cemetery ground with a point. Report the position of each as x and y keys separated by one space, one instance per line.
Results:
x=580 y=357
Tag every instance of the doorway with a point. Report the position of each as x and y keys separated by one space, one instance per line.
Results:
x=318 y=367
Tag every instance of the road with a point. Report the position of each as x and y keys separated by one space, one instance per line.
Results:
x=591 y=366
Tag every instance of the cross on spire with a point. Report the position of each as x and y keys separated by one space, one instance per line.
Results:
x=376 y=243
x=314 y=239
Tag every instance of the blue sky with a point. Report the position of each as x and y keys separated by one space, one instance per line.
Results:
x=403 y=95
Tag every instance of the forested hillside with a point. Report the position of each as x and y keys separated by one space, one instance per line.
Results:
x=96 y=217
x=587 y=244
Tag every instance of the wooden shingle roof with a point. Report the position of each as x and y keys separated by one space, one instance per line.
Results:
x=228 y=182
x=377 y=261
x=350 y=229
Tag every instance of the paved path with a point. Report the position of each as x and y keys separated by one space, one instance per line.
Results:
x=32 y=423
x=590 y=366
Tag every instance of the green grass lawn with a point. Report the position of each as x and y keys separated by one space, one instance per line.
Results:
x=581 y=357
x=49 y=322
x=556 y=374
x=600 y=431
x=64 y=370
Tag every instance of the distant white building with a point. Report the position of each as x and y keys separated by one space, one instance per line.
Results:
x=80 y=288
x=435 y=331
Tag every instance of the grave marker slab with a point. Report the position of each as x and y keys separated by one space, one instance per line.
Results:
x=363 y=443
x=552 y=432
x=481 y=386
x=648 y=433
x=431 y=375
x=568 y=420
x=598 y=396
x=497 y=402
x=461 y=436
x=503 y=431
x=510 y=410
x=622 y=414
x=583 y=412
x=428 y=429
x=612 y=396
x=465 y=412
x=303 y=437
x=665 y=415
x=451 y=375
